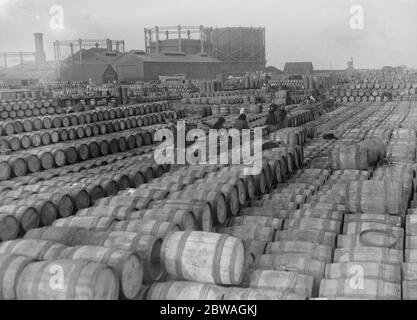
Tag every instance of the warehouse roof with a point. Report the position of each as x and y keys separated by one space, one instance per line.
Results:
x=95 y=55
x=168 y=57
x=83 y=72
x=298 y=67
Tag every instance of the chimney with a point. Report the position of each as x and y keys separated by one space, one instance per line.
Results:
x=109 y=45
x=39 y=50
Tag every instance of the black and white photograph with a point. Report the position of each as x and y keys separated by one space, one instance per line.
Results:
x=204 y=156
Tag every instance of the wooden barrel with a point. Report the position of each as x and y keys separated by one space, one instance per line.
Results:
x=46 y=209
x=223 y=260
x=11 y=267
x=282 y=280
x=315 y=251
x=145 y=192
x=88 y=223
x=146 y=246
x=260 y=294
x=304 y=235
x=260 y=221
x=294 y=262
x=229 y=191
x=316 y=213
x=184 y=290
x=216 y=199
x=79 y=196
x=313 y=223
x=370 y=254
x=381 y=271
x=63 y=235
x=35 y=249
x=9 y=227
x=27 y=217
x=372 y=289
x=5 y=170
x=286 y=197
x=184 y=218
x=238 y=182
x=200 y=209
x=260 y=180
x=279 y=208
x=151 y=227
x=17 y=166
x=383 y=197
x=138 y=203
x=249 y=232
x=126 y=264
x=83 y=280
x=226 y=175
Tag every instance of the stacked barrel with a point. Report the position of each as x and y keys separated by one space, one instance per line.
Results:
x=401 y=91
x=14 y=109
x=152 y=235
x=68 y=144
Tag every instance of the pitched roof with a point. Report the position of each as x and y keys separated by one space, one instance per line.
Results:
x=85 y=71
x=94 y=55
x=303 y=67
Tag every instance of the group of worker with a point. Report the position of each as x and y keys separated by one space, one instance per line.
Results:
x=277 y=119
x=240 y=124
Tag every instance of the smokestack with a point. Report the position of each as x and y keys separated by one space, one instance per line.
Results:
x=39 y=51
x=109 y=45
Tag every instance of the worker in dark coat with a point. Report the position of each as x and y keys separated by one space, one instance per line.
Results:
x=218 y=125
x=282 y=121
x=272 y=120
x=241 y=123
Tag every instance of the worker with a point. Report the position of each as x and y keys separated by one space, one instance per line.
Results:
x=282 y=120
x=312 y=99
x=386 y=96
x=272 y=120
x=242 y=111
x=218 y=125
x=241 y=123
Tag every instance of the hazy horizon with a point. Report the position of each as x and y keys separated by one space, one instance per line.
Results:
x=296 y=30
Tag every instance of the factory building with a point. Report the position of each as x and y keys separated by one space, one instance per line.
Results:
x=137 y=65
x=240 y=49
x=298 y=68
x=97 y=72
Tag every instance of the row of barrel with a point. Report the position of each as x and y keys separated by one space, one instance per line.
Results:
x=28 y=108
x=19 y=164
x=46 y=137
x=379 y=85
x=17 y=95
x=375 y=246
x=129 y=287
x=8 y=128
x=41 y=199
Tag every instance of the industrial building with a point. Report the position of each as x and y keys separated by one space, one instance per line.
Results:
x=240 y=49
x=97 y=72
x=299 y=68
x=137 y=65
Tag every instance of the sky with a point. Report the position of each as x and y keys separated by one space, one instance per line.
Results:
x=296 y=30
